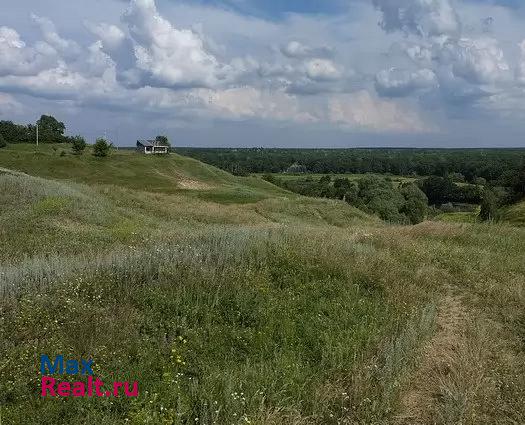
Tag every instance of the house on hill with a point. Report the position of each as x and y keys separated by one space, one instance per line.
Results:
x=149 y=147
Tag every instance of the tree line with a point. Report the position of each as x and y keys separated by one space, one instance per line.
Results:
x=476 y=166
x=450 y=179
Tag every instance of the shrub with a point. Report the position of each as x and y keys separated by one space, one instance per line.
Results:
x=79 y=144
x=416 y=203
x=489 y=206
x=3 y=143
x=101 y=148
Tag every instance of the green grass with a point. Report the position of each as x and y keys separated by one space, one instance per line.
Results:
x=233 y=301
x=459 y=217
x=515 y=214
x=126 y=168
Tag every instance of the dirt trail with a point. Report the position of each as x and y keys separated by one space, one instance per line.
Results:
x=418 y=401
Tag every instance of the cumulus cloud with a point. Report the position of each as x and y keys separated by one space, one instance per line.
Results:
x=67 y=48
x=322 y=70
x=296 y=49
x=167 y=56
x=400 y=82
x=362 y=111
x=478 y=61
x=16 y=58
x=249 y=102
x=110 y=35
x=60 y=82
x=418 y=53
x=420 y=17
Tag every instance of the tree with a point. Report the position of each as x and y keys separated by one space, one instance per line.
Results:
x=50 y=129
x=101 y=148
x=14 y=133
x=341 y=187
x=489 y=206
x=3 y=143
x=439 y=190
x=163 y=141
x=519 y=183
x=382 y=198
x=79 y=144
x=416 y=203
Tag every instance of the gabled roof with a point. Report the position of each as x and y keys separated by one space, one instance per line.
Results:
x=146 y=143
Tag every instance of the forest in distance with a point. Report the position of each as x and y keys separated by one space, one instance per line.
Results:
x=403 y=186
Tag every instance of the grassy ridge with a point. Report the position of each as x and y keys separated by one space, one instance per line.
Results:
x=227 y=308
x=515 y=214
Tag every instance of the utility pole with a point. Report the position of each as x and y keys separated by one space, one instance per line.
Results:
x=37 y=134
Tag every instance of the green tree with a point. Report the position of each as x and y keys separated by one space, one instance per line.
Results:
x=519 y=183
x=79 y=144
x=50 y=129
x=380 y=197
x=3 y=143
x=489 y=206
x=416 y=203
x=101 y=148
x=15 y=133
x=163 y=140
x=439 y=190
x=341 y=187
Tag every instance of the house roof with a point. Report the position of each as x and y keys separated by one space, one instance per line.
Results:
x=146 y=143
x=151 y=144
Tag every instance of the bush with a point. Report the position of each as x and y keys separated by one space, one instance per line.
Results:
x=416 y=203
x=489 y=206
x=3 y=143
x=79 y=144
x=101 y=148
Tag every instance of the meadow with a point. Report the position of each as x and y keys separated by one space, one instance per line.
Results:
x=233 y=301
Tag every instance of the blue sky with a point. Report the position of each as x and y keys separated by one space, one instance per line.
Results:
x=341 y=73
x=274 y=9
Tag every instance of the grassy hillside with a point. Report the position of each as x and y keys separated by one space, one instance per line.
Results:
x=232 y=301
x=515 y=214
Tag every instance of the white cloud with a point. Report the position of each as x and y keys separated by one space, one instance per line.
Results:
x=418 y=53
x=420 y=17
x=67 y=48
x=478 y=61
x=400 y=82
x=248 y=102
x=322 y=70
x=16 y=58
x=167 y=56
x=110 y=35
x=296 y=49
x=61 y=82
x=362 y=111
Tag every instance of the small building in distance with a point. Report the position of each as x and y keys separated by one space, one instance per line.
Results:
x=149 y=147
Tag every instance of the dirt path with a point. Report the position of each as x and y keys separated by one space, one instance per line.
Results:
x=418 y=401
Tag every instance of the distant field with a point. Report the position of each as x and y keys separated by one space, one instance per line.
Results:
x=286 y=176
x=459 y=217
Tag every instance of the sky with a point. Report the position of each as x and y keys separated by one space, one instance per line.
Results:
x=269 y=73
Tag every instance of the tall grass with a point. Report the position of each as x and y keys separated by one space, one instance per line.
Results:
x=234 y=325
